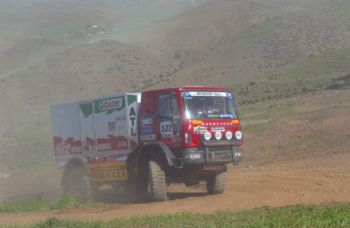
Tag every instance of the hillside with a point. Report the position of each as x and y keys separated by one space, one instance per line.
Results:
x=287 y=61
x=26 y=53
x=80 y=21
x=88 y=70
x=245 y=40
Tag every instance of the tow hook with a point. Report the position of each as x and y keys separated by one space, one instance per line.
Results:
x=178 y=163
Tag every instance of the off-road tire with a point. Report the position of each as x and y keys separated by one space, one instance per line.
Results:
x=156 y=182
x=216 y=184
x=77 y=184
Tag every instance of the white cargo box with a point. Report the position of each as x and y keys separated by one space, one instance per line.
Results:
x=100 y=127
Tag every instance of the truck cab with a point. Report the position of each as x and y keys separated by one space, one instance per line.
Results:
x=198 y=131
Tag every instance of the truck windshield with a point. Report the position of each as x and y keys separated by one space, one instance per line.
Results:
x=209 y=105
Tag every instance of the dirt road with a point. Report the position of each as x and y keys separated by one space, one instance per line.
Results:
x=309 y=181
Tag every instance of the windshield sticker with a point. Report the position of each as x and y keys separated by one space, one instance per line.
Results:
x=226 y=116
x=206 y=94
x=187 y=95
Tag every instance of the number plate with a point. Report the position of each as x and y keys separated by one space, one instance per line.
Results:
x=115 y=171
x=166 y=128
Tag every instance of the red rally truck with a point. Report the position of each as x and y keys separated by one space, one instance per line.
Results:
x=147 y=140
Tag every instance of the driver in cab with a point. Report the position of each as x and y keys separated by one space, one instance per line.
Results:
x=204 y=107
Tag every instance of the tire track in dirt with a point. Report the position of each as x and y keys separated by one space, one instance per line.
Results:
x=310 y=181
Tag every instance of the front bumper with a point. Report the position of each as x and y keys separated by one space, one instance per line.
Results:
x=207 y=155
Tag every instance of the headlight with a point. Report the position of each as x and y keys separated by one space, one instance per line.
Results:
x=238 y=135
x=207 y=135
x=218 y=135
x=194 y=156
x=228 y=135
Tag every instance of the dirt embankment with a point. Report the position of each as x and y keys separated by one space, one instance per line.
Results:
x=312 y=181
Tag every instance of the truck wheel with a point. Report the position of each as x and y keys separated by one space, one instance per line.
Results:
x=156 y=182
x=77 y=184
x=217 y=183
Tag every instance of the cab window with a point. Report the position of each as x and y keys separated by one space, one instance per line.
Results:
x=168 y=110
x=167 y=106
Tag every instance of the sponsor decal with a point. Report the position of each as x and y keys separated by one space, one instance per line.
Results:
x=104 y=147
x=88 y=145
x=218 y=123
x=147 y=130
x=149 y=137
x=218 y=129
x=132 y=117
x=147 y=125
x=112 y=143
x=63 y=148
x=146 y=120
x=200 y=129
x=68 y=146
x=206 y=94
x=109 y=104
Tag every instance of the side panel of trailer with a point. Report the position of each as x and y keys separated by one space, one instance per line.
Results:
x=104 y=130
x=66 y=130
x=106 y=126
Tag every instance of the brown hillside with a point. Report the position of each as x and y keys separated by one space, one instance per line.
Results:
x=96 y=69
x=25 y=53
x=223 y=41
